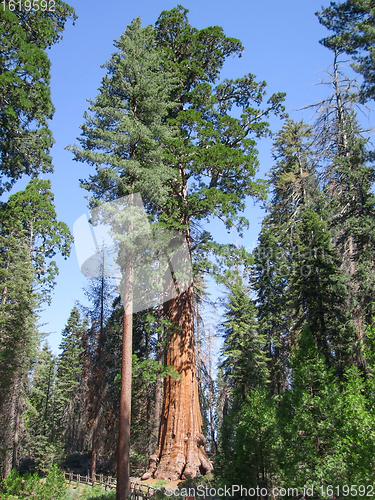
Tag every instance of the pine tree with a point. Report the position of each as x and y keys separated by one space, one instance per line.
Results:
x=321 y=290
x=100 y=293
x=309 y=420
x=25 y=97
x=298 y=275
x=348 y=178
x=30 y=237
x=28 y=221
x=44 y=236
x=71 y=384
x=44 y=444
x=18 y=337
x=17 y=300
x=132 y=101
x=352 y=23
x=246 y=455
x=278 y=254
x=244 y=362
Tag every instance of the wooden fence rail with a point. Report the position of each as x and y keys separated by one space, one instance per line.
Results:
x=137 y=491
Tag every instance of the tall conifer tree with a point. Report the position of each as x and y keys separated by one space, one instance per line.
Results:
x=30 y=237
x=246 y=455
x=71 y=384
x=352 y=23
x=348 y=176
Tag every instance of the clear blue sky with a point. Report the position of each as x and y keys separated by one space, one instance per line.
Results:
x=281 y=39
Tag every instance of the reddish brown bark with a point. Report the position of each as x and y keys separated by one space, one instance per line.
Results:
x=123 y=449
x=181 y=450
x=158 y=394
x=93 y=457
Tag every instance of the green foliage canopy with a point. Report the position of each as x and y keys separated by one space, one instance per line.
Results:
x=25 y=96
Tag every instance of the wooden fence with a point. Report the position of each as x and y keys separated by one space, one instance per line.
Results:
x=137 y=491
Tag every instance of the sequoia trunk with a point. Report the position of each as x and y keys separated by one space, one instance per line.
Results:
x=181 y=450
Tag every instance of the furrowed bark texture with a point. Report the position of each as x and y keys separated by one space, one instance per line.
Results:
x=181 y=451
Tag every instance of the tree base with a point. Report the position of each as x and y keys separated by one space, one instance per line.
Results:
x=173 y=467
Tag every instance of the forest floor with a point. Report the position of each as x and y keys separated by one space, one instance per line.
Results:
x=158 y=483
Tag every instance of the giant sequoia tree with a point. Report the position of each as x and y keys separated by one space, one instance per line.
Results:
x=214 y=160
x=168 y=134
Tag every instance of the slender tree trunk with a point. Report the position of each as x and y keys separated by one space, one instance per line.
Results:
x=93 y=462
x=13 y=410
x=48 y=395
x=79 y=432
x=95 y=446
x=158 y=393
x=94 y=454
x=350 y=254
x=7 y=464
x=10 y=410
x=17 y=410
x=72 y=421
x=2 y=333
x=181 y=450
x=123 y=450
x=211 y=392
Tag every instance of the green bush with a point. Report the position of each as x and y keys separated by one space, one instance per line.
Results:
x=16 y=487
x=91 y=493
x=108 y=495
